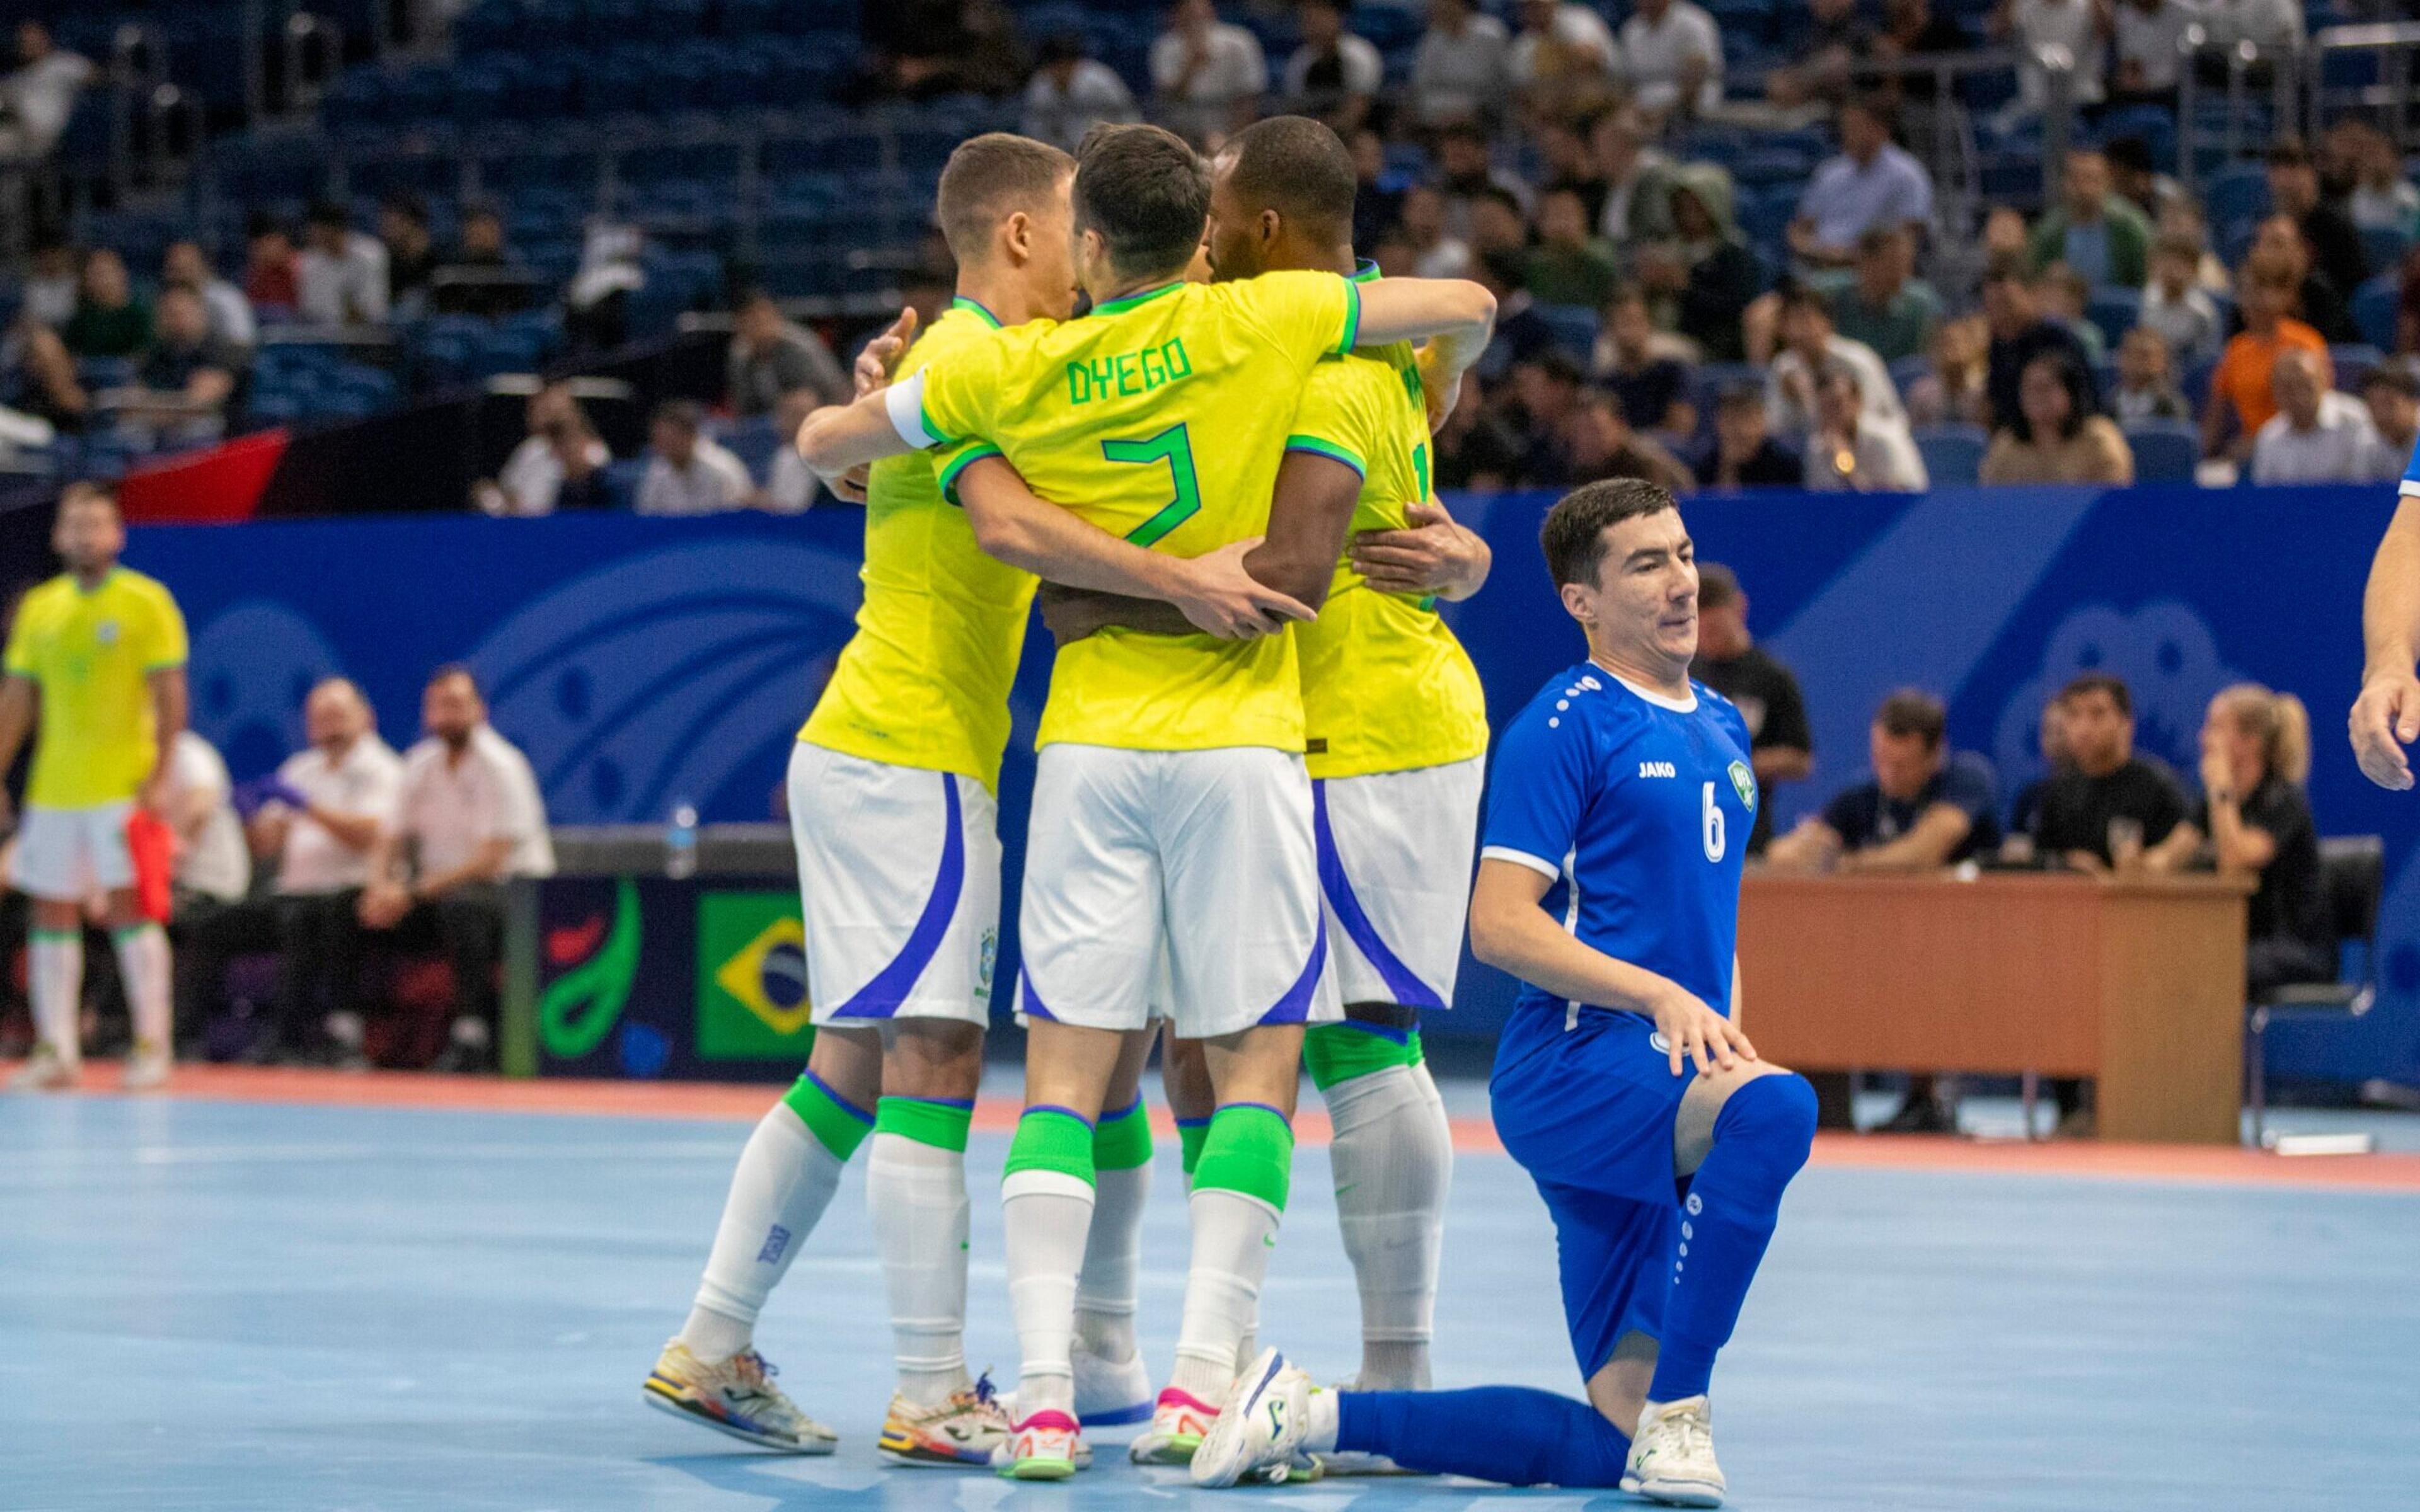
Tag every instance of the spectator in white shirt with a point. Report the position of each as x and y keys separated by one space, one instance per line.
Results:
x=319 y=818
x=1209 y=75
x=1462 y=71
x=37 y=99
x=2318 y=435
x=1334 y=74
x=1437 y=251
x=469 y=815
x=1809 y=347
x=1070 y=93
x=1874 y=183
x=2072 y=25
x=1565 y=54
x=341 y=274
x=230 y=313
x=2148 y=36
x=1674 y=53
x=1851 y=450
x=690 y=473
x=2176 y=305
x=48 y=296
x=2261 y=22
x=533 y=475
x=211 y=864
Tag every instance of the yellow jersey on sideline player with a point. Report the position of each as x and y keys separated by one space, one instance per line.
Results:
x=92 y=652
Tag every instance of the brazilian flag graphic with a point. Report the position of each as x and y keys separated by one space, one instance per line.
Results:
x=751 y=977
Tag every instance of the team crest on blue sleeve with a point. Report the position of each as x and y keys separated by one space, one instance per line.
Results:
x=1743 y=783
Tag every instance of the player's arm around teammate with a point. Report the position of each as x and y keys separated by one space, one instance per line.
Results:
x=2386 y=716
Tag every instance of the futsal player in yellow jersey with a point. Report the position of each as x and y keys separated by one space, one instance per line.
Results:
x=1171 y=813
x=892 y=808
x=97 y=657
x=1397 y=732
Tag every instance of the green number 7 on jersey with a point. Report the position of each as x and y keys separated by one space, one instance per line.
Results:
x=1175 y=448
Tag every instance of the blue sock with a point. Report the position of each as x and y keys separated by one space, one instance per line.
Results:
x=1760 y=1139
x=1511 y=1435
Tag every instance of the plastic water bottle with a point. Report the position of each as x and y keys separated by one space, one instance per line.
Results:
x=680 y=841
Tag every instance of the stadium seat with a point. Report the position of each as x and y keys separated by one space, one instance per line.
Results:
x=1573 y=326
x=2238 y=194
x=1953 y=455
x=2165 y=451
x=2384 y=245
x=2375 y=307
x=2115 y=311
x=2353 y=364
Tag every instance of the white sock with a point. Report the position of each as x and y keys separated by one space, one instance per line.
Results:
x=143 y=964
x=917 y=1196
x=1231 y=1238
x=1047 y=1216
x=1393 y=1157
x=1320 y=1438
x=1105 y=1296
x=55 y=972
x=784 y=1180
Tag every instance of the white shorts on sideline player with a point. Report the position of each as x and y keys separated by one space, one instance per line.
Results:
x=68 y=855
x=898 y=885
x=1395 y=856
x=1209 y=851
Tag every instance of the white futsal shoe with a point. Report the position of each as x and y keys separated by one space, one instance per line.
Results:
x=1109 y=1393
x=1672 y=1454
x=146 y=1069
x=47 y=1071
x=736 y=1397
x=1258 y=1435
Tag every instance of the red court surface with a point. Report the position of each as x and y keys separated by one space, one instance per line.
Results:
x=2389 y=1172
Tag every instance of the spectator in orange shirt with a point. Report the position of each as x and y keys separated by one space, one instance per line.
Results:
x=2242 y=392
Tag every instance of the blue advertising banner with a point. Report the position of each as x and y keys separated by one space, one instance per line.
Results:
x=642 y=662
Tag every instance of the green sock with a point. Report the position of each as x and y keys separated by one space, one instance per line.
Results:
x=1247 y=1149
x=838 y=1124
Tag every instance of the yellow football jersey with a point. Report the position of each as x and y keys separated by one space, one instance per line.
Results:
x=92 y=654
x=1160 y=417
x=1386 y=687
x=924 y=681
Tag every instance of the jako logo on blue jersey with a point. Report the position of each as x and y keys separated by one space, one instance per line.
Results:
x=1658 y=769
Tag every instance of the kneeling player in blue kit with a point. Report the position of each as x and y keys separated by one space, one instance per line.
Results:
x=1616 y=815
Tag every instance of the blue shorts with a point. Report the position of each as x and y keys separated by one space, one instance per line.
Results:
x=1588 y=1111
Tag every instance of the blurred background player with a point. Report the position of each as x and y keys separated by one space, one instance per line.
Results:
x=891 y=807
x=97 y=658
x=1169 y=790
x=1610 y=884
x=1397 y=736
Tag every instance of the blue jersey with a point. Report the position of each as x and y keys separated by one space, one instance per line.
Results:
x=1639 y=808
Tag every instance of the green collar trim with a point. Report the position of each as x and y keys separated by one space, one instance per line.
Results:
x=973 y=308
x=1125 y=303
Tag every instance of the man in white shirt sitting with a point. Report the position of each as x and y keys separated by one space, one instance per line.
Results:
x=211 y=876
x=1209 y=75
x=2318 y=435
x=468 y=817
x=691 y=473
x=531 y=477
x=1334 y=74
x=1565 y=54
x=1674 y=53
x=1809 y=345
x=340 y=278
x=37 y=99
x=1071 y=92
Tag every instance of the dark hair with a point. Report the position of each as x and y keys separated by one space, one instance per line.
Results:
x=1062 y=47
x=2392 y=375
x=1147 y=195
x=2071 y=376
x=452 y=669
x=685 y=413
x=1876 y=108
x=1908 y=711
x=2100 y=682
x=1462 y=130
x=1297 y=167
x=1718 y=585
x=1741 y=393
x=1504 y=267
x=2288 y=152
x=752 y=294
x=1557 y=365
x=264 y=224
x=2008 y=268
x=1573 y=536
x=1503 y=197
x=991 y=177
x=2131 y=153
x=409 y=207
x=1797 y=294
x=1624 y=292
x=328 y=212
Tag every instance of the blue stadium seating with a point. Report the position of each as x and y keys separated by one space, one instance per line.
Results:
x=2115 y=311
x=2165 y=451
x=1574 y=328
x=1953 y=455
x=2375 y=306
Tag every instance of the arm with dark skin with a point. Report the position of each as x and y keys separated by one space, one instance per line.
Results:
x=1309 y=516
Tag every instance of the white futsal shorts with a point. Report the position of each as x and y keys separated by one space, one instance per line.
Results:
x=898 y=887
x=1207 y=851
x=66 y=854
x=1395 y=856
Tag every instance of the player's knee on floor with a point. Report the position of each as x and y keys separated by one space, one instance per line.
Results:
x=1770 y=1120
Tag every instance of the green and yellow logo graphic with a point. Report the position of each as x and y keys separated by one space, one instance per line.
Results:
x=751 y=977
x=1743 y=783
x=580 y=1007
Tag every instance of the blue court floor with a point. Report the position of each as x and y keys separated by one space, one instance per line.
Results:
x=218 y=1305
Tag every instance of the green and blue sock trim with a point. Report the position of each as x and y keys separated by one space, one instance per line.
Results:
x=838 y=1124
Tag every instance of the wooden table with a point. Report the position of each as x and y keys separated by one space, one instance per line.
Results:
x=2136 y=983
